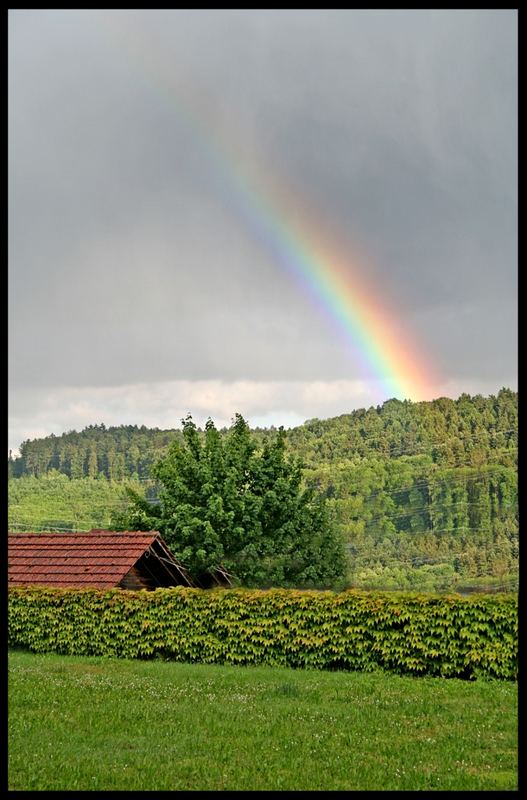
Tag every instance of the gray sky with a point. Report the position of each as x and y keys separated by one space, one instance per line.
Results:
x=140 y=288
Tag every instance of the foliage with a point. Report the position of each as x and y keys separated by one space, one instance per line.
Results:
x=470 y=430
x=56 y=502
x=424 y=494
x=116 y=452
x=444 y=527
x=447 y=636
x=222 y=501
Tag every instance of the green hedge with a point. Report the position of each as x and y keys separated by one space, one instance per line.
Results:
x=418 y=634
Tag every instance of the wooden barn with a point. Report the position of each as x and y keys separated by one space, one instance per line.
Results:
x=96 y=559
x=217 y=577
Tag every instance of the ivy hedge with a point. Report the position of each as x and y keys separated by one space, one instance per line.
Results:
x=416 y=634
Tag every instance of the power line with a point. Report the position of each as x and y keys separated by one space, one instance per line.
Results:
x=429 y=508
x=496 y=470
x=361 y=512
x=446 y=479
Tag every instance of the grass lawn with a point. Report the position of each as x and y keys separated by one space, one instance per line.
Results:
x=102 y=724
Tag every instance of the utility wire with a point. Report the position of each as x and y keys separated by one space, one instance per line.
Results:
x=446 y=480
x=429 y=508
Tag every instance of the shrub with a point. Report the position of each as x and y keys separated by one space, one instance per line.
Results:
x=405 y=633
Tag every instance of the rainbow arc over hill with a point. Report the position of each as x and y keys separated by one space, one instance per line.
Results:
x=336 y=282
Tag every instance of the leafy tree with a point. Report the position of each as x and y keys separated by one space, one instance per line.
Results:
x=76 y=464
x=225 y=501
x=406 y=484
x=92 y=462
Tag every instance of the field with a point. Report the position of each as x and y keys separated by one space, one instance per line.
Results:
x=100 y=725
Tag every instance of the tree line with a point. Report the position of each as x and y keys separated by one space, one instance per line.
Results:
x=423 y=495
x=470 y=430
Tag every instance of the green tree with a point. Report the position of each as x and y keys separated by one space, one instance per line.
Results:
x=91 y=462
x=77 y=464
x=224 y=501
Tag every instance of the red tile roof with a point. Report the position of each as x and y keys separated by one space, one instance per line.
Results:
x=95 y=559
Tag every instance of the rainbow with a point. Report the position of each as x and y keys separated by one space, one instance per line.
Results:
x=336 y=284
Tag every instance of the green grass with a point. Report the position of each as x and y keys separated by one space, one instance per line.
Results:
x=55 y=501
x=103 y=724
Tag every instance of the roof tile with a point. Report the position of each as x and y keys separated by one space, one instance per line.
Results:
x=99 y=558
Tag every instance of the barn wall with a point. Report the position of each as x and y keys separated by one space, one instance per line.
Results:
x=135 y=580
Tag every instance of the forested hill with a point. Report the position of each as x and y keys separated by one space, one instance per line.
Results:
x=468 y=431
x=424 y=494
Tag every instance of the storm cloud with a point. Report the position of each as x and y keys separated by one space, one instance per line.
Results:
x=131 y=263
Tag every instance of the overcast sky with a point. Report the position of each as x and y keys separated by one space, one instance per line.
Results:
x=139 y=290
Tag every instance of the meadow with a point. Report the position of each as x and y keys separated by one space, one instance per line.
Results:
x=101 y=724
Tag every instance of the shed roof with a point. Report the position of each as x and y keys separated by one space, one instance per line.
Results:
x=98 y=558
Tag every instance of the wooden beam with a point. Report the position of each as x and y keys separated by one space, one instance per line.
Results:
x=168 y=560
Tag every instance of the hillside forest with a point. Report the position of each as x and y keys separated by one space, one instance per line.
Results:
x=424 y=495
